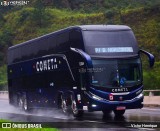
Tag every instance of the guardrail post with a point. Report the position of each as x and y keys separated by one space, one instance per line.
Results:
x=151 y=93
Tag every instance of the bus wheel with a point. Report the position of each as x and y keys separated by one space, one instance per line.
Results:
x=75 y=111
x=25 y=106
x=106 y=112
x=20 y=102
x=119 y=113
x=63 y=105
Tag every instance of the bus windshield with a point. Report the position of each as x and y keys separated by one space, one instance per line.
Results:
x=116 y=72
x=98 y=43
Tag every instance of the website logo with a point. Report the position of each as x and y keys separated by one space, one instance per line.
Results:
x=6 y=125
x=13 y=3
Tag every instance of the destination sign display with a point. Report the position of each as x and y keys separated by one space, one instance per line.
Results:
x=113 y=49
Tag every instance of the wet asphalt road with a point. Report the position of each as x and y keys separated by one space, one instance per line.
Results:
x=90 y=121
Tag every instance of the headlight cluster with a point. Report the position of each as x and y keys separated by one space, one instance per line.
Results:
x=96 y=97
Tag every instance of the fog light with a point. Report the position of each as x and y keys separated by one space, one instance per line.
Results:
x=94 y=105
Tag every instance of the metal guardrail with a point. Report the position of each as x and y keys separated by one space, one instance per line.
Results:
x=151 y=92
x=3 y=92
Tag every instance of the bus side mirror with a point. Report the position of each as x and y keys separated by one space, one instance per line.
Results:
x=84 y=55
x=150 y=57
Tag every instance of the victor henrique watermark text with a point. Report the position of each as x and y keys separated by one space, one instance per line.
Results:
x=144 y=125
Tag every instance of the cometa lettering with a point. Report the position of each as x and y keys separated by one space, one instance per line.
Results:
x=120 y=90
x=45 y=65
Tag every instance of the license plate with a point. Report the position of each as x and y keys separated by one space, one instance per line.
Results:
x=121 y=108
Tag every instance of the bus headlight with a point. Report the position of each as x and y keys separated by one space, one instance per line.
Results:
x=138 y=92
x=96 y=97
x=140 y=95
x=93 y=105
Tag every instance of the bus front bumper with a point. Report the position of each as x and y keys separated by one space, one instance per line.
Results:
x=98 y=105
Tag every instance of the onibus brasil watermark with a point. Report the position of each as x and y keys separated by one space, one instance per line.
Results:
x=21 y=125
x=14 y=3
x=150 y=125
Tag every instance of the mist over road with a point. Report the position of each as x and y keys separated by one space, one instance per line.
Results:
x=89 y=120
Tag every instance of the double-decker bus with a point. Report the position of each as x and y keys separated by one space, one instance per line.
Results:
x=81 y=68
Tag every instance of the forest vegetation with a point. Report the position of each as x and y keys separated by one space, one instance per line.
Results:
x=39 y=17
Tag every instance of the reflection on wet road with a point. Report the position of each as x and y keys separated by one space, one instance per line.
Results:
x=90 y=119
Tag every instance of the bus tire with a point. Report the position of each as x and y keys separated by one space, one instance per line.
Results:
x=106 y=112
x=59 y=102
x=63 y=105
x=75 y=111
x=119 y=113
x=25 y=105
x=20 y=102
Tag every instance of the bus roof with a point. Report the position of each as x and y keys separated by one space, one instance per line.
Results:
x=82 y=27
x=105 y=27
x=55 y=41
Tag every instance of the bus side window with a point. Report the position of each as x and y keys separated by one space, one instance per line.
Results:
x=62 y=42
x=76 y=40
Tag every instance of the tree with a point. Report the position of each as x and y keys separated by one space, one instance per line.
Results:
x=110 y=15
x=2 y=20
x=39 y=13
x=6 y=38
